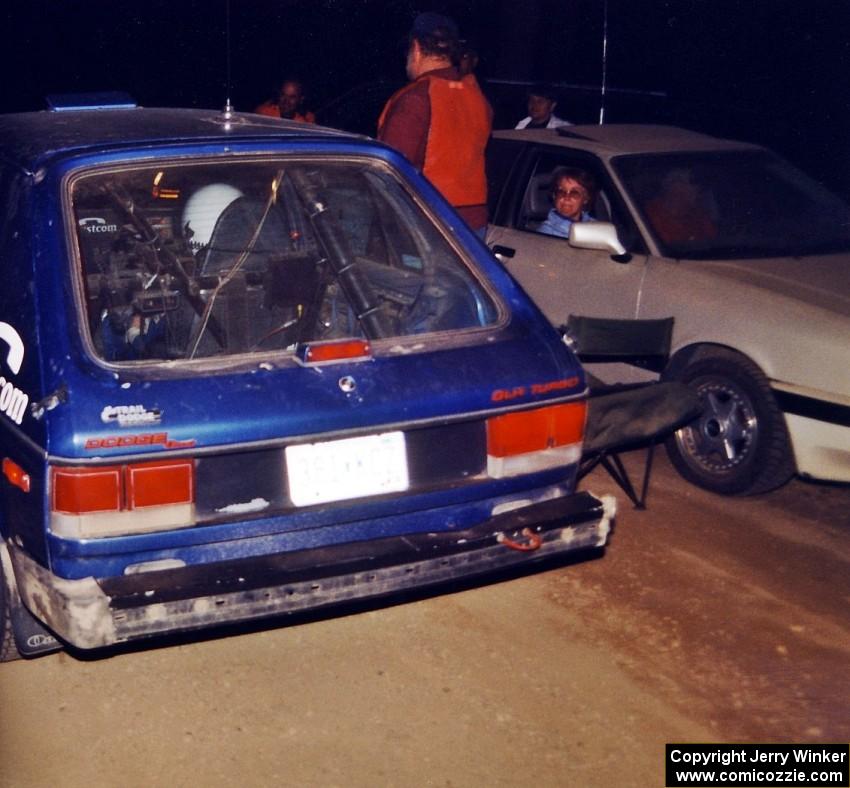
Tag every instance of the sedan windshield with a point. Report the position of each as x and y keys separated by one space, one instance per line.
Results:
x=736 y=204
x=189 y=261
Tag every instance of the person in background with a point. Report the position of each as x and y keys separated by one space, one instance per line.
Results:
x=541 y=110
x=441 y=120
x=468 y=60
x=679 y=212
x=573 y=192
x=288 y=103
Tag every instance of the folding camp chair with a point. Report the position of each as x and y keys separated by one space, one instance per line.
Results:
x=625 y=416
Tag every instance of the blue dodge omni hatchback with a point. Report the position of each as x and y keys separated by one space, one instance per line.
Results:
x=249 y=367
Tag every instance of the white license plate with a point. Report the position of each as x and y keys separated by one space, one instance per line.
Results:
x=348 y=468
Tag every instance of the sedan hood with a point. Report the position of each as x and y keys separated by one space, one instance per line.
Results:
x=821 y=281
x=791 y=316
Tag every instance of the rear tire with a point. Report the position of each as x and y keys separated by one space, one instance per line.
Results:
x=8 y=648
x=739 y=445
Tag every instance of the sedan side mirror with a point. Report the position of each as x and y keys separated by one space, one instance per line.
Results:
x=601 y=236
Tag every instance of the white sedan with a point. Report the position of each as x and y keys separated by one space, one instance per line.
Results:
x=748 y=255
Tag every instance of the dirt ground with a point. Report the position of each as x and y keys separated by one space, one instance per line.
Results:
x=707 y=619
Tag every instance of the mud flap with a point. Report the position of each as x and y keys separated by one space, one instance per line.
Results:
x=31 y=636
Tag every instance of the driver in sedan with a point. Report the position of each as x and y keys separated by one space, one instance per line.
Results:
x=573 y=192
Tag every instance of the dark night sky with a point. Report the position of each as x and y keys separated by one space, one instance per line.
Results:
x=772 y=71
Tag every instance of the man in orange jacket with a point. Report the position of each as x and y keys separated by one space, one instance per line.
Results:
x=441 y=121
x=288 y=104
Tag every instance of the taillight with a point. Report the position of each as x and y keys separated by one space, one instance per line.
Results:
x=534 y=440
x=159 y=483
x=122 y=499
x=83 y=490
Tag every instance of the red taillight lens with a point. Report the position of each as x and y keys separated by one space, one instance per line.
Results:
x=535 y=440
x=568 y=423
x=123 y=499
x=159 y=483
x=535 y=430
x=81 y=490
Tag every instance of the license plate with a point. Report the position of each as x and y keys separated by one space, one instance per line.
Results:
x=348 y=468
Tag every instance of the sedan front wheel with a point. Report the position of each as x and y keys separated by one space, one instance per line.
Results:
x=739 y=445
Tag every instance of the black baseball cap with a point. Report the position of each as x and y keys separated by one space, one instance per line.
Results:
x=433 y=25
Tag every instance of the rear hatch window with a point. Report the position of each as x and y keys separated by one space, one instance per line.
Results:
x=189 y=261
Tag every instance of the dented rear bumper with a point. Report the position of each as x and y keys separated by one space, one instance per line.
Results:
x=90 y=613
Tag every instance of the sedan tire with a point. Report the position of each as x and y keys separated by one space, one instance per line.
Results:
x=739 y=445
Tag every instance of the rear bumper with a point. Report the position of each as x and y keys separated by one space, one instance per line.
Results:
x=91 y=613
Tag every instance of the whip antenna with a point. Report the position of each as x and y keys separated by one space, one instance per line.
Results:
x=604 y=63
x=228 y=107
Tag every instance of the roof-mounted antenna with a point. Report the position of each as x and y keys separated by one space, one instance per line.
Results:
x=228 y=107
x=604 y=88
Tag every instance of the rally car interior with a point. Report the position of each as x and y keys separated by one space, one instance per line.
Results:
x=194 y=262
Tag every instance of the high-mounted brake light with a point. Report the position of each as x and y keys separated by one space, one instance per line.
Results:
x=122 y=499
x=348 y=349
x=534 y=440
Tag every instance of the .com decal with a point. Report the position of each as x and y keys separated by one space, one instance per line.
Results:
x=13 y=401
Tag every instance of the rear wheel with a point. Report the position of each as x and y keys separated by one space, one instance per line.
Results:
x=739 y=445
x=8 y=649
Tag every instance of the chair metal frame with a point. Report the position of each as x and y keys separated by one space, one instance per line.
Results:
x=626 y=416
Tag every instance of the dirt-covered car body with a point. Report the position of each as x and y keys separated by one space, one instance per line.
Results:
x=748 y=255
x=251 y=367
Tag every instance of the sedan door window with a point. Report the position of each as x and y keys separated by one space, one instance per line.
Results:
x=562 y=278
x=536 y=202
x=736 y=204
